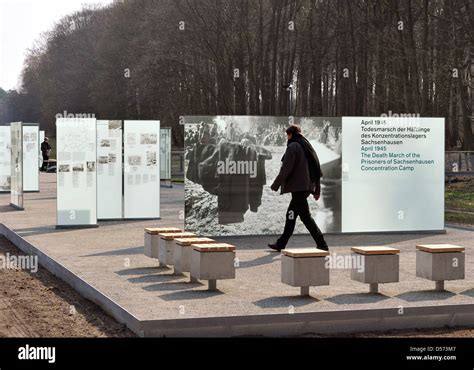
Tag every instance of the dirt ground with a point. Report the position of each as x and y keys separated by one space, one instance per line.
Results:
x=40 y=305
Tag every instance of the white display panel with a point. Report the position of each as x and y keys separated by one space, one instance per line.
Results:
x=76 y=142
x=5 y=159
x=30 y=157
x=141 y=169
x=16 y=193
x=40 y=155
x=109 y=170
x=165 y=153
x=393 y=174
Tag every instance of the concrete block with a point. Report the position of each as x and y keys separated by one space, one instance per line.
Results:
x=304 y=271
x=182 y=258
x=151 y=245
x=166 y=246
x=183 y=250
x=383 y=268
x=152 y=239
x=166 y=251
x=212 y=265
x=440 y=266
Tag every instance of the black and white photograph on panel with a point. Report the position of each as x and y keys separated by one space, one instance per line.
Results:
x=105 y=143
x=148 y=139
x=231 y=162
x=64 y=168
x=78 y=168
x=103 y=159
x=90 y=166
x=5 y=183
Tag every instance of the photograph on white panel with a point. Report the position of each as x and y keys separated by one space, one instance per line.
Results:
x=105 y=143
x=103 y=159
x=231 y=161
x=135 y=160
x=78 y=168
x=64 y=168
x=90 y=166
x=148 y=139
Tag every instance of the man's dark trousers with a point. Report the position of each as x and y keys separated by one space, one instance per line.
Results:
x=299 y=207
x=44 y=166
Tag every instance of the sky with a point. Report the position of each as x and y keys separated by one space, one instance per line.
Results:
x=21 y=24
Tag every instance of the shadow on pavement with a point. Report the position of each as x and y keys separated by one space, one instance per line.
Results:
x=178 y=286
x=358 y=298
x=263 y=260
x=142 y=271
x=190 y=294
x=469 y=293
x=425 y=295
x=285 y=301
x=118 y=252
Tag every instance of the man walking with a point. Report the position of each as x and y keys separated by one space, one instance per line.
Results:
x=46 y=152
x=300 y=175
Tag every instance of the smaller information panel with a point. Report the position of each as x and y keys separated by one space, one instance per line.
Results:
x=109 y=170
x=141 y=169
x=16 y=165
x=393 y=174
x=76 y=143
x=30 y=157
x=165 y=153
x=5 y=159
x=40 y=155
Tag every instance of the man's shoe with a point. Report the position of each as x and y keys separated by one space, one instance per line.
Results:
x=275 y=247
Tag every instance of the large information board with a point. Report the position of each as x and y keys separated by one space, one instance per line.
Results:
x=30 y=157
x=5 y=159
x=141 y=169
x=16 y=192
x=380 y=174
x=76 y=143
x=393 y=174
x=109 y=170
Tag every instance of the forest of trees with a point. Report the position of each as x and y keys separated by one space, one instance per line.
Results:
x=162 y=59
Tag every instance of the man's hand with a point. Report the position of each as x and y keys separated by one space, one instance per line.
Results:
x=274 y=187
x=317 y=192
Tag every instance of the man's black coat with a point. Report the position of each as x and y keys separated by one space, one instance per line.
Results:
x=294 y=174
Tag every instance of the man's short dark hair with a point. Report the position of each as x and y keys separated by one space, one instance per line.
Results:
x=293 y=129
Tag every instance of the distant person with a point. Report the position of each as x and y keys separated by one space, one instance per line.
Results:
x=300 y=175
x=325 y=133
x=214 y=134
x=205 y=135
x=46 y=152
x=231 y=136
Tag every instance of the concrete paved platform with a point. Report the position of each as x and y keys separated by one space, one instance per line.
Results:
x=107 y=265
